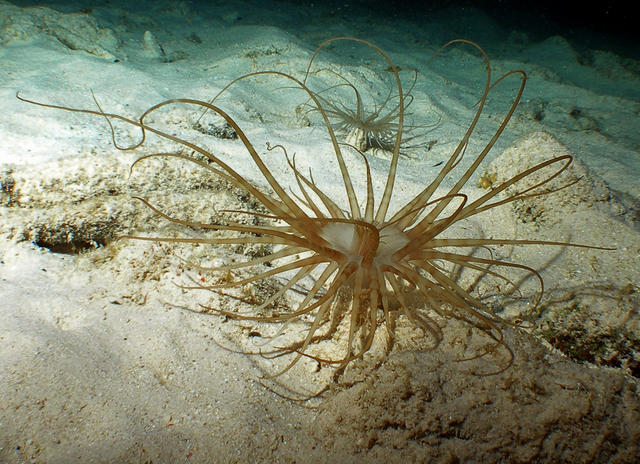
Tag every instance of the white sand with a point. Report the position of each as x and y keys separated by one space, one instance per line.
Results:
x=97 y=364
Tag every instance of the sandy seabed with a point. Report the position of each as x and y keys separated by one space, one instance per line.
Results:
x=98 y=364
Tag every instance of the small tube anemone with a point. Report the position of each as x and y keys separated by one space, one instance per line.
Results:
x=371 y=266
x=368 y=128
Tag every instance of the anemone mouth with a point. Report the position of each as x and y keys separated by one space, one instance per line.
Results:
x=357 y=241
